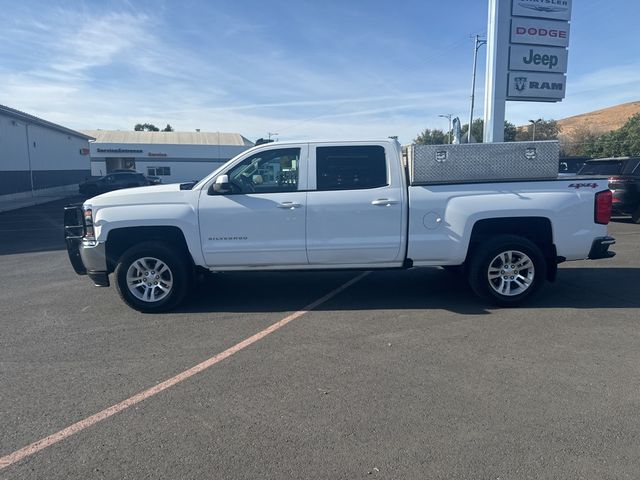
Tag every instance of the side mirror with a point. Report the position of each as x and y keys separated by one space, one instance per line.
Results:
x=221 y=185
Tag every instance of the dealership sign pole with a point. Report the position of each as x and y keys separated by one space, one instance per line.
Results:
x=526 y=56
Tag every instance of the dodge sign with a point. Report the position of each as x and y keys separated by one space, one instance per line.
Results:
x=539 y=32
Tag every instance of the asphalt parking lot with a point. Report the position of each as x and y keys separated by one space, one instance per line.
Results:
x=401 y=375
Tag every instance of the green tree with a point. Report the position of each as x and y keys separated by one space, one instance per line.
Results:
x=510 y=131
x=168 y=128
x=624 y=142
x=146 y=127
x=576 y=142
x=477 y=131
x=431 y=137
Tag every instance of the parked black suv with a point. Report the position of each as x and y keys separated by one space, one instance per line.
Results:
x=624 y=182
x=112 y=181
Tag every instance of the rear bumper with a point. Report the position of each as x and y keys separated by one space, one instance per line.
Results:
x=600 y=248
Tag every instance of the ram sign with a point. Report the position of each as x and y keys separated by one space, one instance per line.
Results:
x=537 y=87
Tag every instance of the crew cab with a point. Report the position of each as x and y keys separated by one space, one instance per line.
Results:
x=336 y=205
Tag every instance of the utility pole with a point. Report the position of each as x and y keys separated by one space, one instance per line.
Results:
x=448 y=115
x=271 y=134
x=477 y=44
x=534 y=123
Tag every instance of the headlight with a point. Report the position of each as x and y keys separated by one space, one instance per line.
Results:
x=89 y=233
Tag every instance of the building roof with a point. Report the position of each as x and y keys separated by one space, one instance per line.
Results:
x=25 y=117
x=169 y=138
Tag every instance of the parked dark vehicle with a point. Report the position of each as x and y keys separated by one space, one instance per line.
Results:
x=154 y=180
x=112 y=181
x=624 y=182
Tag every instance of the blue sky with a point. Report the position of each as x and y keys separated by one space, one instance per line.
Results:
x=303 y=69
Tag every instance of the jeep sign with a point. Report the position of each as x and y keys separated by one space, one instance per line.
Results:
x=539 y=32
x=538 y=59
x=549 y=9
x=541 y=87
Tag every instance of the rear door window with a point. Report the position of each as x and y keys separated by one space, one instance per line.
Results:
x=350 y=167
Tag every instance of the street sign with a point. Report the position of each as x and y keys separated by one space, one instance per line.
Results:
x=539 y=32
x=538 y=59
x=538 y=87
x=549 y=9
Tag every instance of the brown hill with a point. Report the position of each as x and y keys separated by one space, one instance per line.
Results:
x=600 y=121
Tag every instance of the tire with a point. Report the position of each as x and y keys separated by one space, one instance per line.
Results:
x=152 y=278
x=507 y=270
x=635 y=216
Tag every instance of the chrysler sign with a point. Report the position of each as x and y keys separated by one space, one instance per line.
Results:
x=540 y=32
x=549 y=9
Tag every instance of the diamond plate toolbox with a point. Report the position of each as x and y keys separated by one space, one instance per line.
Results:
x=483 y=162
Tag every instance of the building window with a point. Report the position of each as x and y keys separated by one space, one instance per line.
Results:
x=159 y=171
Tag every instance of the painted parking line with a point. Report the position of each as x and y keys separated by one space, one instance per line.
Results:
x=54 y=438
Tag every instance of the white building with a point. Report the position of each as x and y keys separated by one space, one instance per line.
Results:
x=38 y=157
x=172 y=156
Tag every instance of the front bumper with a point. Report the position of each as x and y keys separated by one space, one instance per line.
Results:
x=87 y=258
x=600 y=248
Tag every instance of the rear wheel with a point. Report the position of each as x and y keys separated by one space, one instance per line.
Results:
x=507 y=270
x=150 y=277
x=635 y=216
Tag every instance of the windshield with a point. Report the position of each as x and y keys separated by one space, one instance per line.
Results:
x=602 y=168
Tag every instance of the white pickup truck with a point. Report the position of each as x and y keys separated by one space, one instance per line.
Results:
x=336 y=205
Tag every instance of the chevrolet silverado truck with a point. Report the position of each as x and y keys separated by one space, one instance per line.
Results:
x=345 y=205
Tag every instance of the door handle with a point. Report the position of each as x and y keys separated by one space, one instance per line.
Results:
x=384 y=202
x=289 y=205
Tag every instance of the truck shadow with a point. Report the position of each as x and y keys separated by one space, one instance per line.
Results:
x=419 y=289
x=34 y=229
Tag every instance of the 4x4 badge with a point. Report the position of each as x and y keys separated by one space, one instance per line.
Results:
x=585 y=185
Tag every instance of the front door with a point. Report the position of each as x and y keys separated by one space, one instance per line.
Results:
x=261 y=222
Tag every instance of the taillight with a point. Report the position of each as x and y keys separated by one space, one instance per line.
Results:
x=89 y=233
x=604 y=200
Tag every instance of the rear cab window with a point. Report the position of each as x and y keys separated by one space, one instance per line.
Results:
x=606 y=168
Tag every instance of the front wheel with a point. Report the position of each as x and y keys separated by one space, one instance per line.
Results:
x=151 y=278
x=507 y=270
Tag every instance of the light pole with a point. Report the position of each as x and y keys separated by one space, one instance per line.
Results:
x=448 y=115
x=477 y=44
x=534 y=122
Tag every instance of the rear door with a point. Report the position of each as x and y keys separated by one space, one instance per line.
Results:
x=354 y=206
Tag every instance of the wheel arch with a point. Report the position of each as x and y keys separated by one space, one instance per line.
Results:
x=119 y=240
x=538 y=230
